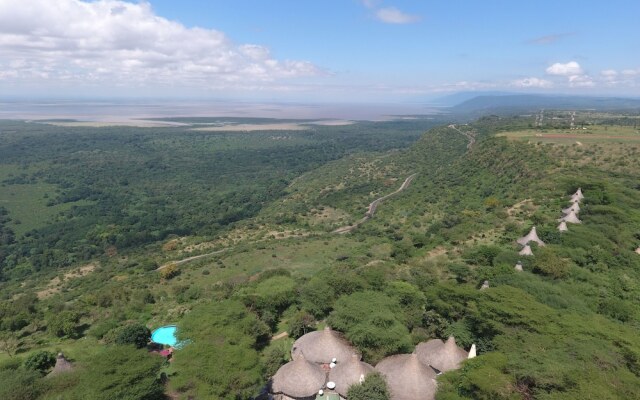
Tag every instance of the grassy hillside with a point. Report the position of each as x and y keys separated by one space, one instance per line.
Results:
x=564 y=328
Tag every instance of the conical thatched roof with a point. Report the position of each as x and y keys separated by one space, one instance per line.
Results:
x=563 y=227
x=532 y=236
x=348 y=373
x=62 y=365
x=443 y=356
x=571 y=218
x=407 y=378
x=526 y=251
x=579 y=194
x=472 y=352
x=323 y=346
x=298 y=378
x=575 y=207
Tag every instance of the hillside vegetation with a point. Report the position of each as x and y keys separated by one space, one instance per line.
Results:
x=564 y=328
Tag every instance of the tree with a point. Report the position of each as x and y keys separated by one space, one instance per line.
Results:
x=40 y=361
x=9 y=344
x=301 y=323
x=120 y=372
x=373 y=322
x=138 y=335
x=64 y=323
x=374 y=387
x=220 y=360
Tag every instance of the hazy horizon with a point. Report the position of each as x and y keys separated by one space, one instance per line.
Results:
x=373 y=51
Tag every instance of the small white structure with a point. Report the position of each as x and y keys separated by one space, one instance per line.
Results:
x=575 y=207
x=532 y=236
x=579 y=194
x=518 y=267
x=563 y=227
x=485 y=285
x=571 y=218
x=472 y=352
x=638 y=250
x=526 y=251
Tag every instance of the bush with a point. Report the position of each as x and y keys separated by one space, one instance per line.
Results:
x=40 y=361
x=137 y=335
x=374 y=387
x=64 y=323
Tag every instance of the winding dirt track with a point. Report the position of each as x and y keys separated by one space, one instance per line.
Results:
x=471 y=136
x=373 y=206
x=192 y=258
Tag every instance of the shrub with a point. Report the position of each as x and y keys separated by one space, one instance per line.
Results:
x=137 y=335
x=374 y=387
x=40 y=361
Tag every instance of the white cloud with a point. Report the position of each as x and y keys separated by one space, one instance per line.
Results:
x=125 y=44
x=571 y=68
x=392 y=15
x=532 y=82
x=631 y=72
x=581 y=81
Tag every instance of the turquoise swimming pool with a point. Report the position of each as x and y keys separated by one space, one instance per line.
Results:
x=165 y=335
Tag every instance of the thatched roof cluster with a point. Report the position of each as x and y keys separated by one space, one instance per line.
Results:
x=298 y=378
x=524 y=241
x=570 y=214
x=323 y=346
x=408 y=378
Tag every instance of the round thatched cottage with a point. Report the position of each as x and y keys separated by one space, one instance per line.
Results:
x=348 y=373
x=298 y=380
x=442 y=356
x=323 y=346
x=407 y=378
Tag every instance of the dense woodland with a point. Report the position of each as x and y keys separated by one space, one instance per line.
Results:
x=565 y=328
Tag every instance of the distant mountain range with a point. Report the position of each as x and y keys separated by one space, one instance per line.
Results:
x=505 y=102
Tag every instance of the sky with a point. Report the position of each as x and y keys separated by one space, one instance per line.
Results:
x=317 y=50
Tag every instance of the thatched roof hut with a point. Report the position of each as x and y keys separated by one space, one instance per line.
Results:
x=532 y=236
x=575 y=207
x=407 y=378
x=298 y=379
x=348 y=373
x=443 y=356
x=571 y=218
x=563 y=227
x=526 y=251
x=323 y=346
x=62 y=365
x=578 y=194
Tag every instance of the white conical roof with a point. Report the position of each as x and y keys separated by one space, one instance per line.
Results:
x=532 y=236
x=571 y=218
x=575 y=207
x=579 y=193
x=518 y=267
x=563 y=227
x=575 y=198
x=526 y=251
x=472 y=352
x=485 y=285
